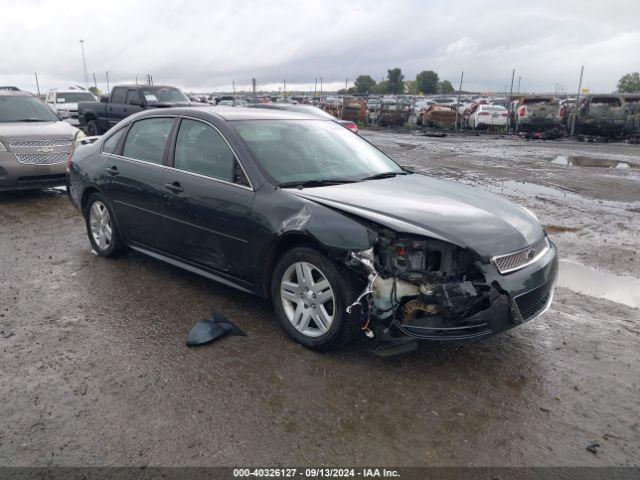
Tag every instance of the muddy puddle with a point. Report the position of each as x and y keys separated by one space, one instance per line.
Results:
x=588 y=281
x=578 y=161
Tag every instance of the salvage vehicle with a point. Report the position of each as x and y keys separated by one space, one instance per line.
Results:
x=537 y=114
x=35 y=143
x=67 y=100
x=98 y=117
x=354 y=110
x=392 y=113
x=632 y=114
x=488 y=116
x=437 y=116
x=309 y=110
x=296 y=208
x=567 y=106
x=601 y=115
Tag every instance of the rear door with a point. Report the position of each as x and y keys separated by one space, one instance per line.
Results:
x=209 y=201
x=135 y=180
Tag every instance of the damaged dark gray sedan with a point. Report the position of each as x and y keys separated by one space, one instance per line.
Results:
x=300 y=209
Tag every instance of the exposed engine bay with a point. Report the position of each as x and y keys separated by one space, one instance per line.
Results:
x=423 y=288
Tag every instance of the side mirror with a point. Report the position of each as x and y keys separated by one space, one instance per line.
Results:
x=63 y=114
x=104 y=99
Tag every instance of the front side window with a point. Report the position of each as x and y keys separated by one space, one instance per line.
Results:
x=147 y=138
x=132 y=95
x=308 y=150
x=118 y=95
x=201 y=149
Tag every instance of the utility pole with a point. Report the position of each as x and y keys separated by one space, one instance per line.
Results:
x=320 y=86
x=346 y=84
x=37 y=83
x=253 y=86
x=84 y=64
x=284 y=88
x=519 y=80
x=315 y=88
x=95 y=84
x=233 y=86
x=458 y=101
x=513 y=74
x=575 y=110
x=107 y=75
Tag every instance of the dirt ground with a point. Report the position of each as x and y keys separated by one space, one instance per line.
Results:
x=95 y=370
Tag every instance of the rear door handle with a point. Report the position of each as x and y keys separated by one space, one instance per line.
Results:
x=174 y=187
x=112 y=170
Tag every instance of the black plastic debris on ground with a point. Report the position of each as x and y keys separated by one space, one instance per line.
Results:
x=206 y=331
x=593 y=448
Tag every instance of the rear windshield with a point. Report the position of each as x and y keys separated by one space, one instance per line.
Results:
x=164 y=95
x=74 y=97
x=529 y=101
x=25 y=109
x=606 y=101
x=493 y=108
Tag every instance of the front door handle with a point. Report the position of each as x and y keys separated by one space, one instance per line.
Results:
x=112 y=170
x=174 y=187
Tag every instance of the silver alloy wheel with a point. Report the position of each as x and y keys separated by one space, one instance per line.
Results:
x=100 y=224
x=307 y=299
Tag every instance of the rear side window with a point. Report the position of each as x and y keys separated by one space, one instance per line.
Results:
x=118 y=95
x=110 y=144
x=201 y=149
x=147 y=138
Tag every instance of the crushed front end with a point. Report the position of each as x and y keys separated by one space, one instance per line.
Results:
x=428 y=289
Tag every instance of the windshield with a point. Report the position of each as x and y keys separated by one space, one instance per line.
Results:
x=164 y=95
x=308 y=150
x=25 y=109
x=74 y=97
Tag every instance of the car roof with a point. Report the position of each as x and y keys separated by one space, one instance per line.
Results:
x=240 y=113
x=15 y=93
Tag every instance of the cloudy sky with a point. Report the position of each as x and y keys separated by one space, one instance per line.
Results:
x=205 y=45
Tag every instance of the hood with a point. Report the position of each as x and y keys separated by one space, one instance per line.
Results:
x=449 y=211
x=36 y=130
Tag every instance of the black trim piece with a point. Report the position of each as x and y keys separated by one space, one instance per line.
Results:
x=215 y=232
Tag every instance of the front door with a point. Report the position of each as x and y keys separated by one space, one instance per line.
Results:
x=208 y=202
x=135 y=183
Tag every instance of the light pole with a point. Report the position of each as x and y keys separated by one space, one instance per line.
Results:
x=84 y=64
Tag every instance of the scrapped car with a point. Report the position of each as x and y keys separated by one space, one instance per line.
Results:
x=602 y=115
x=437 y=116
x=67 y=101
x=35 y=143
x=537 y=114
x=632 y=114
x=567 y=106
x=392 y=113
x=488 y=116
x=354 y=110
x=296 y=208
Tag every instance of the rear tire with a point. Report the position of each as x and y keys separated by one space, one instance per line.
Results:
x=310 y=295
x=101 y=227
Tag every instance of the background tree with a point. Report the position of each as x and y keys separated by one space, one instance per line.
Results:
x=445 y=87
x=364 y=84
x=411 y=87
x=629 y=83
x=427 y=81
x=395 y=80
x=95 y=91
x=382 y=87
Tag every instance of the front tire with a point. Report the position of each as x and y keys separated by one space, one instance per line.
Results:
x=101 y=228
x=92 y=129
x=310 y=295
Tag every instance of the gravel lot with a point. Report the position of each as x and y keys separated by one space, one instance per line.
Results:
x=95 y=370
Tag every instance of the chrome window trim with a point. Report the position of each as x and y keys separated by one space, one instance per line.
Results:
x=211 y=178
x=134 y=160
x=541 y=254
x=235 y=155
